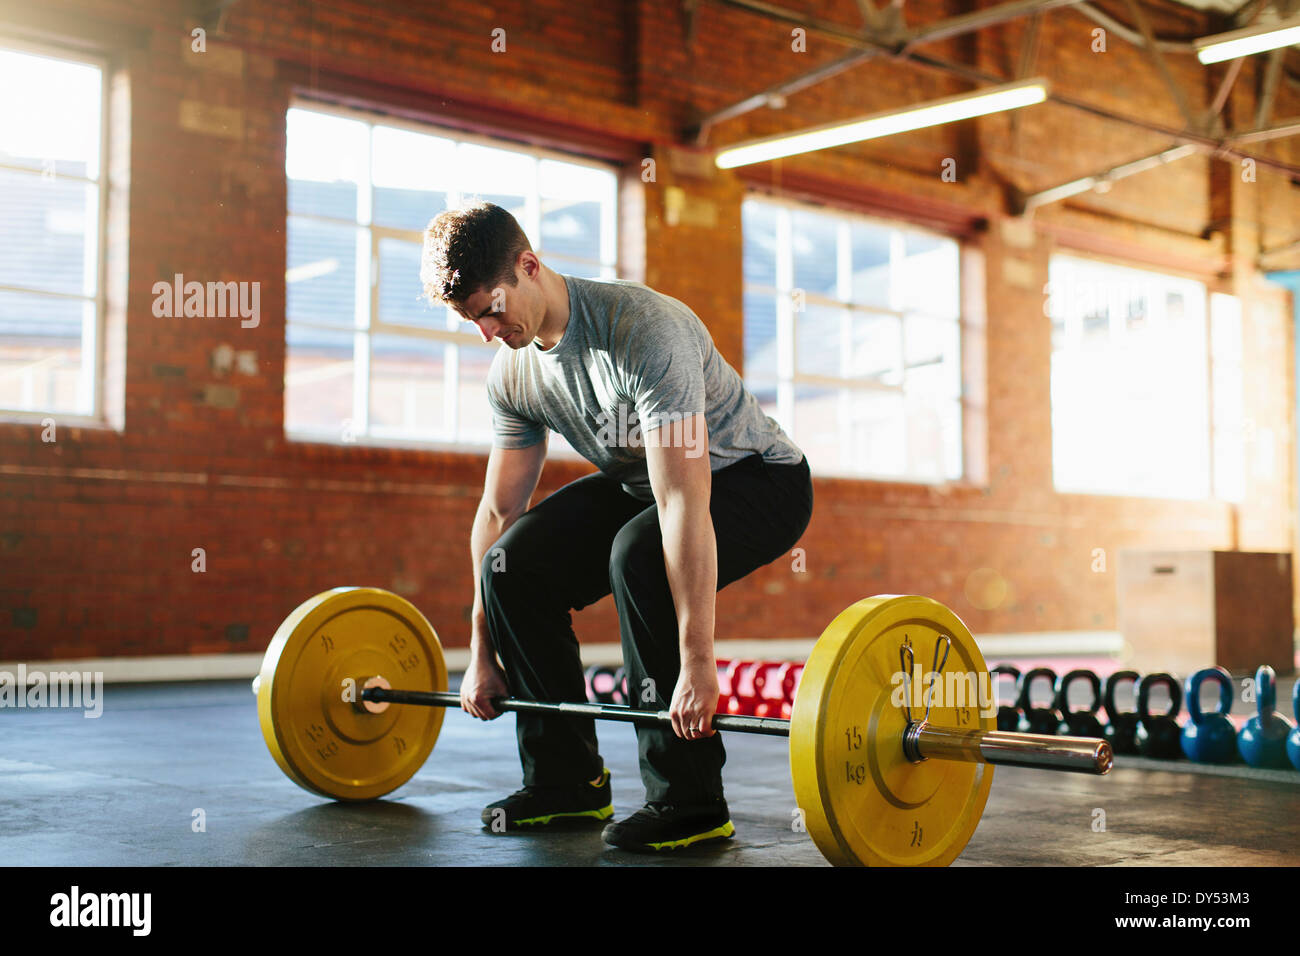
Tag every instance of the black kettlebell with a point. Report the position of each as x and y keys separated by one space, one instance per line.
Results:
x=1122 y=729
x=1008 y=714
x=1038 y=720
x=1159 y=734
x=1079 y=723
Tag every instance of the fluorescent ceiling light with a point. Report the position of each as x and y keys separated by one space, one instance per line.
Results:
x=1239 y=43
x=1009 y=97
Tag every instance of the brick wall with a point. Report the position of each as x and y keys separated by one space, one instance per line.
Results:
x=98 y=528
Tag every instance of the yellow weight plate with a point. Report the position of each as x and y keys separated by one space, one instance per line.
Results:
x=863 y=802
x=327 y=744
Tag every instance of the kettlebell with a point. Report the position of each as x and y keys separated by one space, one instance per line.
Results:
x=1210 y=738
x=1262 y=741
x=1008 y=714
x=1079 y=723
x=1122 y=729
x=1293 y=738
x=1159 y=734
x=1038 y=720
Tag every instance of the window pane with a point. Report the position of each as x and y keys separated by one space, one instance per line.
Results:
x=760 y=336
x=876 y=433
x=927 y=275
x=322 y=274
x=326 y=160
x=408 y=381
x=572 y=267
x=869 y=258
x=419 y=387
x=813 y=244
x=571 y=229
x=1130 y=402
x=820 y=340
x=933 y=438
x=318 y=381
x=54 y=124
x=865 y=426
x=498 y=176
x=932 y=353
x=41 y=352
x=758 y=222
x=413 y=173
x=850 y=431
x=401 y=297
x=50 y=225
x=475 y=415
x=874 y=352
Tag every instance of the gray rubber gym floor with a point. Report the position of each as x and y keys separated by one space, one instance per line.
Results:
x=123 y=790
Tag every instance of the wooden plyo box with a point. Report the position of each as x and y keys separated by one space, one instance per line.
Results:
x=1180 y=611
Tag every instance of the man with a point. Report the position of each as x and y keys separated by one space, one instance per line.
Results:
x=696 y=488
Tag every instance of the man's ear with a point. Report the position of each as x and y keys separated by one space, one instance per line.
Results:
x=531 y=265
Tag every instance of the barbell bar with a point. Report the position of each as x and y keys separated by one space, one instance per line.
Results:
x=874 y=782
x=1038 y=751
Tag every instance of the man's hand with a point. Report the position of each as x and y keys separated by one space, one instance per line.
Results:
x=483 y=680
x=695 y=700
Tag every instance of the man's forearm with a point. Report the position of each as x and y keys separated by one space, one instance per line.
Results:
x=691 y=561
x=488 y=528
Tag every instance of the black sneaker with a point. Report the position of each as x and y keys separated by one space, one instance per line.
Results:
x=663 y=826
x=542 y=806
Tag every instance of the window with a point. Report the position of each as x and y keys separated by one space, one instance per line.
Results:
x=1146 y=383
x=367 y=355
x=853 y=339
x=51 y=215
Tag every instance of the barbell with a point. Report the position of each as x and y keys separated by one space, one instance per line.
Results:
x=891 y=765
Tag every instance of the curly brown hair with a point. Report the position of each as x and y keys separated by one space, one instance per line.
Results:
x=469 y=250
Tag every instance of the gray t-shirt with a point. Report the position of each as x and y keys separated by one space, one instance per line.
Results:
x=631 y=359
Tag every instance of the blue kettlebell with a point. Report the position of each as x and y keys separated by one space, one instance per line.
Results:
x=1210 y=738
x=1262 y=741
x=1293 y=738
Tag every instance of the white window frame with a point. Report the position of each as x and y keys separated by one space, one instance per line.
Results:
x=92 y=331
x=1214 y=425
x=787 y=374
x=366 y=321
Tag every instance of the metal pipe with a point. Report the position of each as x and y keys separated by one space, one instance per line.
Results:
x=920 y=740
x=1040 y=751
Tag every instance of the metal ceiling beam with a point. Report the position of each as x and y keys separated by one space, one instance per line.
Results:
x=1029 y=48
x=1104 y=19
x=1272 y=73
x=1157 y=56
x=978 y=19
x=1285 y=128
x=1026 y=203
x=866 y=45
x=1218 y=147
x=1212 y=121
x=1221 y=148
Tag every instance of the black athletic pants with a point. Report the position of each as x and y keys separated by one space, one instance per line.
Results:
x=576 y=546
